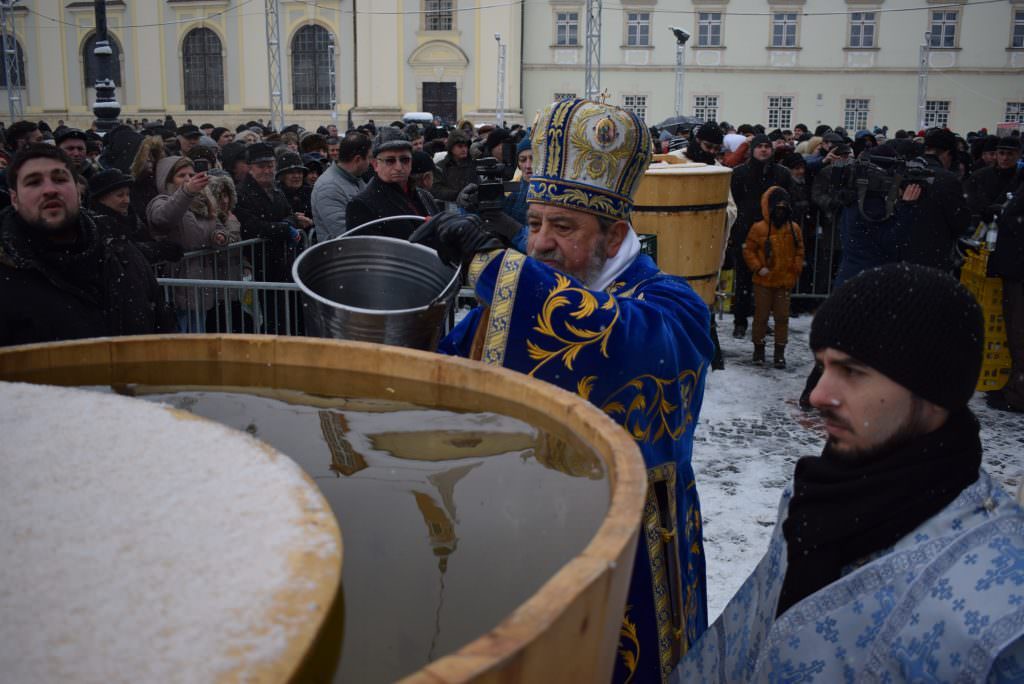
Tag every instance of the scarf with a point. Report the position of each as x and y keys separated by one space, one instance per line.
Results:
x=614 y=267
x=843 y=511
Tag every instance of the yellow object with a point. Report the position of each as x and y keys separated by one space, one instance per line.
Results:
x=995 y=365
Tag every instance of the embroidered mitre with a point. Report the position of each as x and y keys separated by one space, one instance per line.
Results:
x=590 y=157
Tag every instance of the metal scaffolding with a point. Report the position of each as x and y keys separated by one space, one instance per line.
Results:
x=273 y=10
x=922 y=79
x=592 y=87
x=12 y=69
x=499 y=102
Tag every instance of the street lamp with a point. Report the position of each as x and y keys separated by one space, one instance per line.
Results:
x=682 y=35
x=106 y=107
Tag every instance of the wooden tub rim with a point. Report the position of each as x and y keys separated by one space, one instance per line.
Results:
x=627 y=477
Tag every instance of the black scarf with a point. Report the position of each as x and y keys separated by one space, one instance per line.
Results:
x=843 y=511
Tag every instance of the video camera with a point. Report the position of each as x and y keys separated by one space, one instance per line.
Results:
x=879 y=176
x=494 y=177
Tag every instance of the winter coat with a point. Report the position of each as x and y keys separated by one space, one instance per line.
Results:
x=932 y=225
x=987 y=188
x=142 y=169
x=268 y=215
x=300 y=199
x=749 y=183
x=129 y=227
x=191 y=222
x=452 y=176
x=97 y=288
x=1007 y=261
x=780 y=249
x=332 y=192
x=381 y=199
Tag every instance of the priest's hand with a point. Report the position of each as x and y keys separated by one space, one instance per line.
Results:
x=456 y=237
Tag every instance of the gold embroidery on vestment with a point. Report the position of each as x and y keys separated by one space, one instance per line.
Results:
x=502 y=303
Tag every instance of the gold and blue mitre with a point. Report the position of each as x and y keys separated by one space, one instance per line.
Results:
x=590 y=157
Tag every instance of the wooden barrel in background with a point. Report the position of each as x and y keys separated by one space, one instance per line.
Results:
x=568 y=631
x=684 y=205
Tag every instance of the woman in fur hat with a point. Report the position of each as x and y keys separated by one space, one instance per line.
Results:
x=143 y=170
x=186 y=213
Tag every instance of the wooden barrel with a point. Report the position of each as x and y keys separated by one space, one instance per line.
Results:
x=684 y=205
x=569 y=629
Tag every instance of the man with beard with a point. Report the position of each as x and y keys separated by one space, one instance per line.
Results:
x=588 y=312
x=62 y=278
x=896 y=557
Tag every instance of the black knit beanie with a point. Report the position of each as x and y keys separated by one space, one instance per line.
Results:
x=916 y=325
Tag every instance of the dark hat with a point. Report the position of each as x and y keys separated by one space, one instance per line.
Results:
x=71 y=133
x=231 y=154
x=289 y=161
x=940 y=139
x=710 y=133
x=313 y=164
x=495 y=138
x=189 y=131
x=832 y=138
x=821 y=130
x=990 y=143
x=456 y=137
x=259 y=152
x=914 y=324
x=122 y=144
x=1008 y=143
x=412 y=132
x=793 y=160
x=390 y=138
x=760 y=139
x=524 y=144
x=107 y=181
x=422 y=162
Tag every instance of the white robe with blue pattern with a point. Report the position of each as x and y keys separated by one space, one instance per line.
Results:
x=945 y=604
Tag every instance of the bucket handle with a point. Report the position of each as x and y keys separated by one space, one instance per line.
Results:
x=404 y=217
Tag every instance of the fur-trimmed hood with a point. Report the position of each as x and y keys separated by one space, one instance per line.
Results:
x=151 y=149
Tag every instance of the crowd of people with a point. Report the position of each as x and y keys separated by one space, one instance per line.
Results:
x=895 y=557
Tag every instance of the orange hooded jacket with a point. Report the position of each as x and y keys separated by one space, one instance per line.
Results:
x=779 y=248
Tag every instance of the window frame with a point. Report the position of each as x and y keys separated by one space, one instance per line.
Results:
x=1016 y=22
x=1010 y=117
x=773 y=19
x=847 y=111
x=636 y=105
x=711 y=23
x=706 y=106
x=944 y=22
x=437 y=14
x=788 y=123
x=558 y=22
x=306 y=103
x=218 y=83
x=862 y=23
x=948 y=112
x=629 y=24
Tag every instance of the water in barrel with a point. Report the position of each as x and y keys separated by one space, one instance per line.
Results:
x=449 y=520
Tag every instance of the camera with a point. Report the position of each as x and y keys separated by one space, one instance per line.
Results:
x=879 y=177
x=493 y=176
x=201 y=165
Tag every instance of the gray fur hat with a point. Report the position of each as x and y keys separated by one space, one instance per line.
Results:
x=390 y=138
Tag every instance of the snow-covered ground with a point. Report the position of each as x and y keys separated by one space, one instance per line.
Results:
x=751 y=433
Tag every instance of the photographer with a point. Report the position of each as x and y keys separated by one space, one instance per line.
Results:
x=934 y=215
x=986 y=188
x=456 y=170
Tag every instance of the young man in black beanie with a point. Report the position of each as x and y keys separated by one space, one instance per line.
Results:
x=896 y=557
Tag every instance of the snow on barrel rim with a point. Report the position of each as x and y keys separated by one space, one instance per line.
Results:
x=142 y=543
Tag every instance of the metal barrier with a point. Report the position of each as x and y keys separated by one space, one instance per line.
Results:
x=235 y=306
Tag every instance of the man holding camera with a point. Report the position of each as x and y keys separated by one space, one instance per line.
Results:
x=456 y=170
x=933 y=215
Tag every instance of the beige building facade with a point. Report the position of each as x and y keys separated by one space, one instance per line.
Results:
x=850 y=62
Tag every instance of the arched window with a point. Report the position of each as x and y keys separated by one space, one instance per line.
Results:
x=19 y=77
x=89 y=60
x=312 y=72
x=204 y=70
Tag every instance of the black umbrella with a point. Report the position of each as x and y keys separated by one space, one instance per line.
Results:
x=674 y=123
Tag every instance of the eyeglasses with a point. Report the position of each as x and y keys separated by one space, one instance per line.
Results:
x=391 y=161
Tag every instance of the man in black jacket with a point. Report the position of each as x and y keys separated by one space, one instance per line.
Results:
x=1007 y=262
x=59 y=278
x=933 y=216
x=987 y=187
x=749 y=182
x=390 y=193
x=264 y=212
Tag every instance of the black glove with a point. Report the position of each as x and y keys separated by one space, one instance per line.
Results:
x=456 y=237
x=469 y=198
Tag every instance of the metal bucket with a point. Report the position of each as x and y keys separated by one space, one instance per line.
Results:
x=376 y=289
x=400 y=227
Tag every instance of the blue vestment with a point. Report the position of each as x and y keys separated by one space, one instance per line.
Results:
x=945 y=604
x=639 y=351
